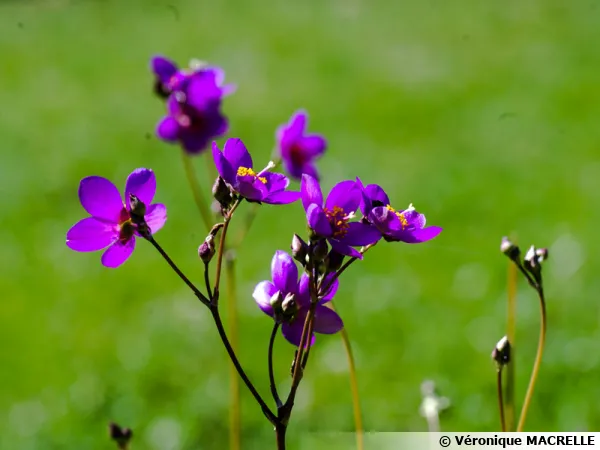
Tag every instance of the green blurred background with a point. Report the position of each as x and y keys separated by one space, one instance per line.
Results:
x=483 y=114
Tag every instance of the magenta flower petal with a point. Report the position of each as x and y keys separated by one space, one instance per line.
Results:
x=311 y=192
x=163 y=68
x=118 y=253
x=327 y=321
x=284 y=272
x=317 y=220
x=345 y=195
x=262 y=295
x=252 y=189
x=416 y=236
x=276 y=181
x=90 y=235
x=308 y=168
x=156 y=216
x=236 y=153
x=332 y=289
x=360 y=234
x=344 y=249
x=303 y=297
x=142 y=184
x=293 y=331
x=100 y=198
x=223 y=167
x=282 y=198
x=168 y=129
x=314 y=145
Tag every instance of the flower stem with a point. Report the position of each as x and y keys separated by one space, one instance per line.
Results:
x=500 y=398
x=511 y=334
x=538 y=358
x=221 y=250
x=234 y=381
x=270 y=363
x=280 y=430
x=201 y=204
x=185 y=279
x=223 y=335
x=358 y=425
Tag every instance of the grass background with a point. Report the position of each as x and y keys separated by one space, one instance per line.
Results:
x=483 y=114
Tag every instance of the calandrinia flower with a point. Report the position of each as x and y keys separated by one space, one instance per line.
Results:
x=235 y=166
x=110 y=224
x=404 y=226
x=194 y=109
x=332 y=220
x=295 y=300
x=297 y=149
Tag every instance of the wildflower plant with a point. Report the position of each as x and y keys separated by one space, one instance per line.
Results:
x=304 y=279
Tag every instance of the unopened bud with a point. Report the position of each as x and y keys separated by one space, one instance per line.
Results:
x=509 y=249
x=160 y=89
x=289 y=305
x=334 y=261
x=120 y=435
x=532 y=264
x=222 y=193
x=501 y=352
x=319 y=251
x=137 y=208
x=276 y=303
x=299 y=249
x=542 y=254
x=206 y=251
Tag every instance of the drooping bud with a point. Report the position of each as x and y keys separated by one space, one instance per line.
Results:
x=509 y=249
x=532 y=264
x=276 y=303
x=160 y=89
x=120 y=435
x=206 y=251
x=299 y=249
x=501 y=352
x=222 y=193
x=319 y=250
x=542 y=254
x=334 y=261
x=289 y=305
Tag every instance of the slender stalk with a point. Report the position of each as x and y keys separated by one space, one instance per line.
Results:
x=234 y=381
x=270 y=364
x=280 y=430
x=185 y=279
x=207 y=280
x=500 y=398
x=538 y=359
x=511 y=335
x=358 y=424
x=223 y=335
x=190 y=174
x=221 y=250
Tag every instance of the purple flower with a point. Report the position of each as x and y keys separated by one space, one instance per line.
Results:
x=333 y=220
x=110 y=224
x=297 y=149
x=405 y=226
x=284 y=274
x=194 y=108
x=236 y=168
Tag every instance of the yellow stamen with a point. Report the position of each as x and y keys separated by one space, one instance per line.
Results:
x=246 y=171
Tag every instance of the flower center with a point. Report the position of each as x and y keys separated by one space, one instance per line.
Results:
x=126 y=226
x=297 y=155
x=400 y=215
x=338 y=221
x=248 y=172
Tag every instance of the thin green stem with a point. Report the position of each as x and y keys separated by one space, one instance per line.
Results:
x=234 y=381
x=201 y=204
x=181 y=275
x=500 y=398
x=538 y=359
x=270 y=365
x=358 y=424
x=207 y=279
x=511 y=334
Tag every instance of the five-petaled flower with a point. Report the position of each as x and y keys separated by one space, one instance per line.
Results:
x=284 y=274
x=333 y=220
x=110 y=224
x=297 y=149
x=194 y=106
x=405 y=226
x=236 y=168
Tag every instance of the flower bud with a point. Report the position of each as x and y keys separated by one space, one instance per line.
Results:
x=276 y=303
x=161 y=90
x=532 y=264
x=120 y=435
x=222 y=193
x=501 y=352
x=299 y=249
x=334 y=261
x=206 y=251
x=319 y=250
x=509 y=249
x=289 y=305
x=137 y=211
x=542 y=254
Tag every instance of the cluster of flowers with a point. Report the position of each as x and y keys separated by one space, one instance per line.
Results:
x=352 y=216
